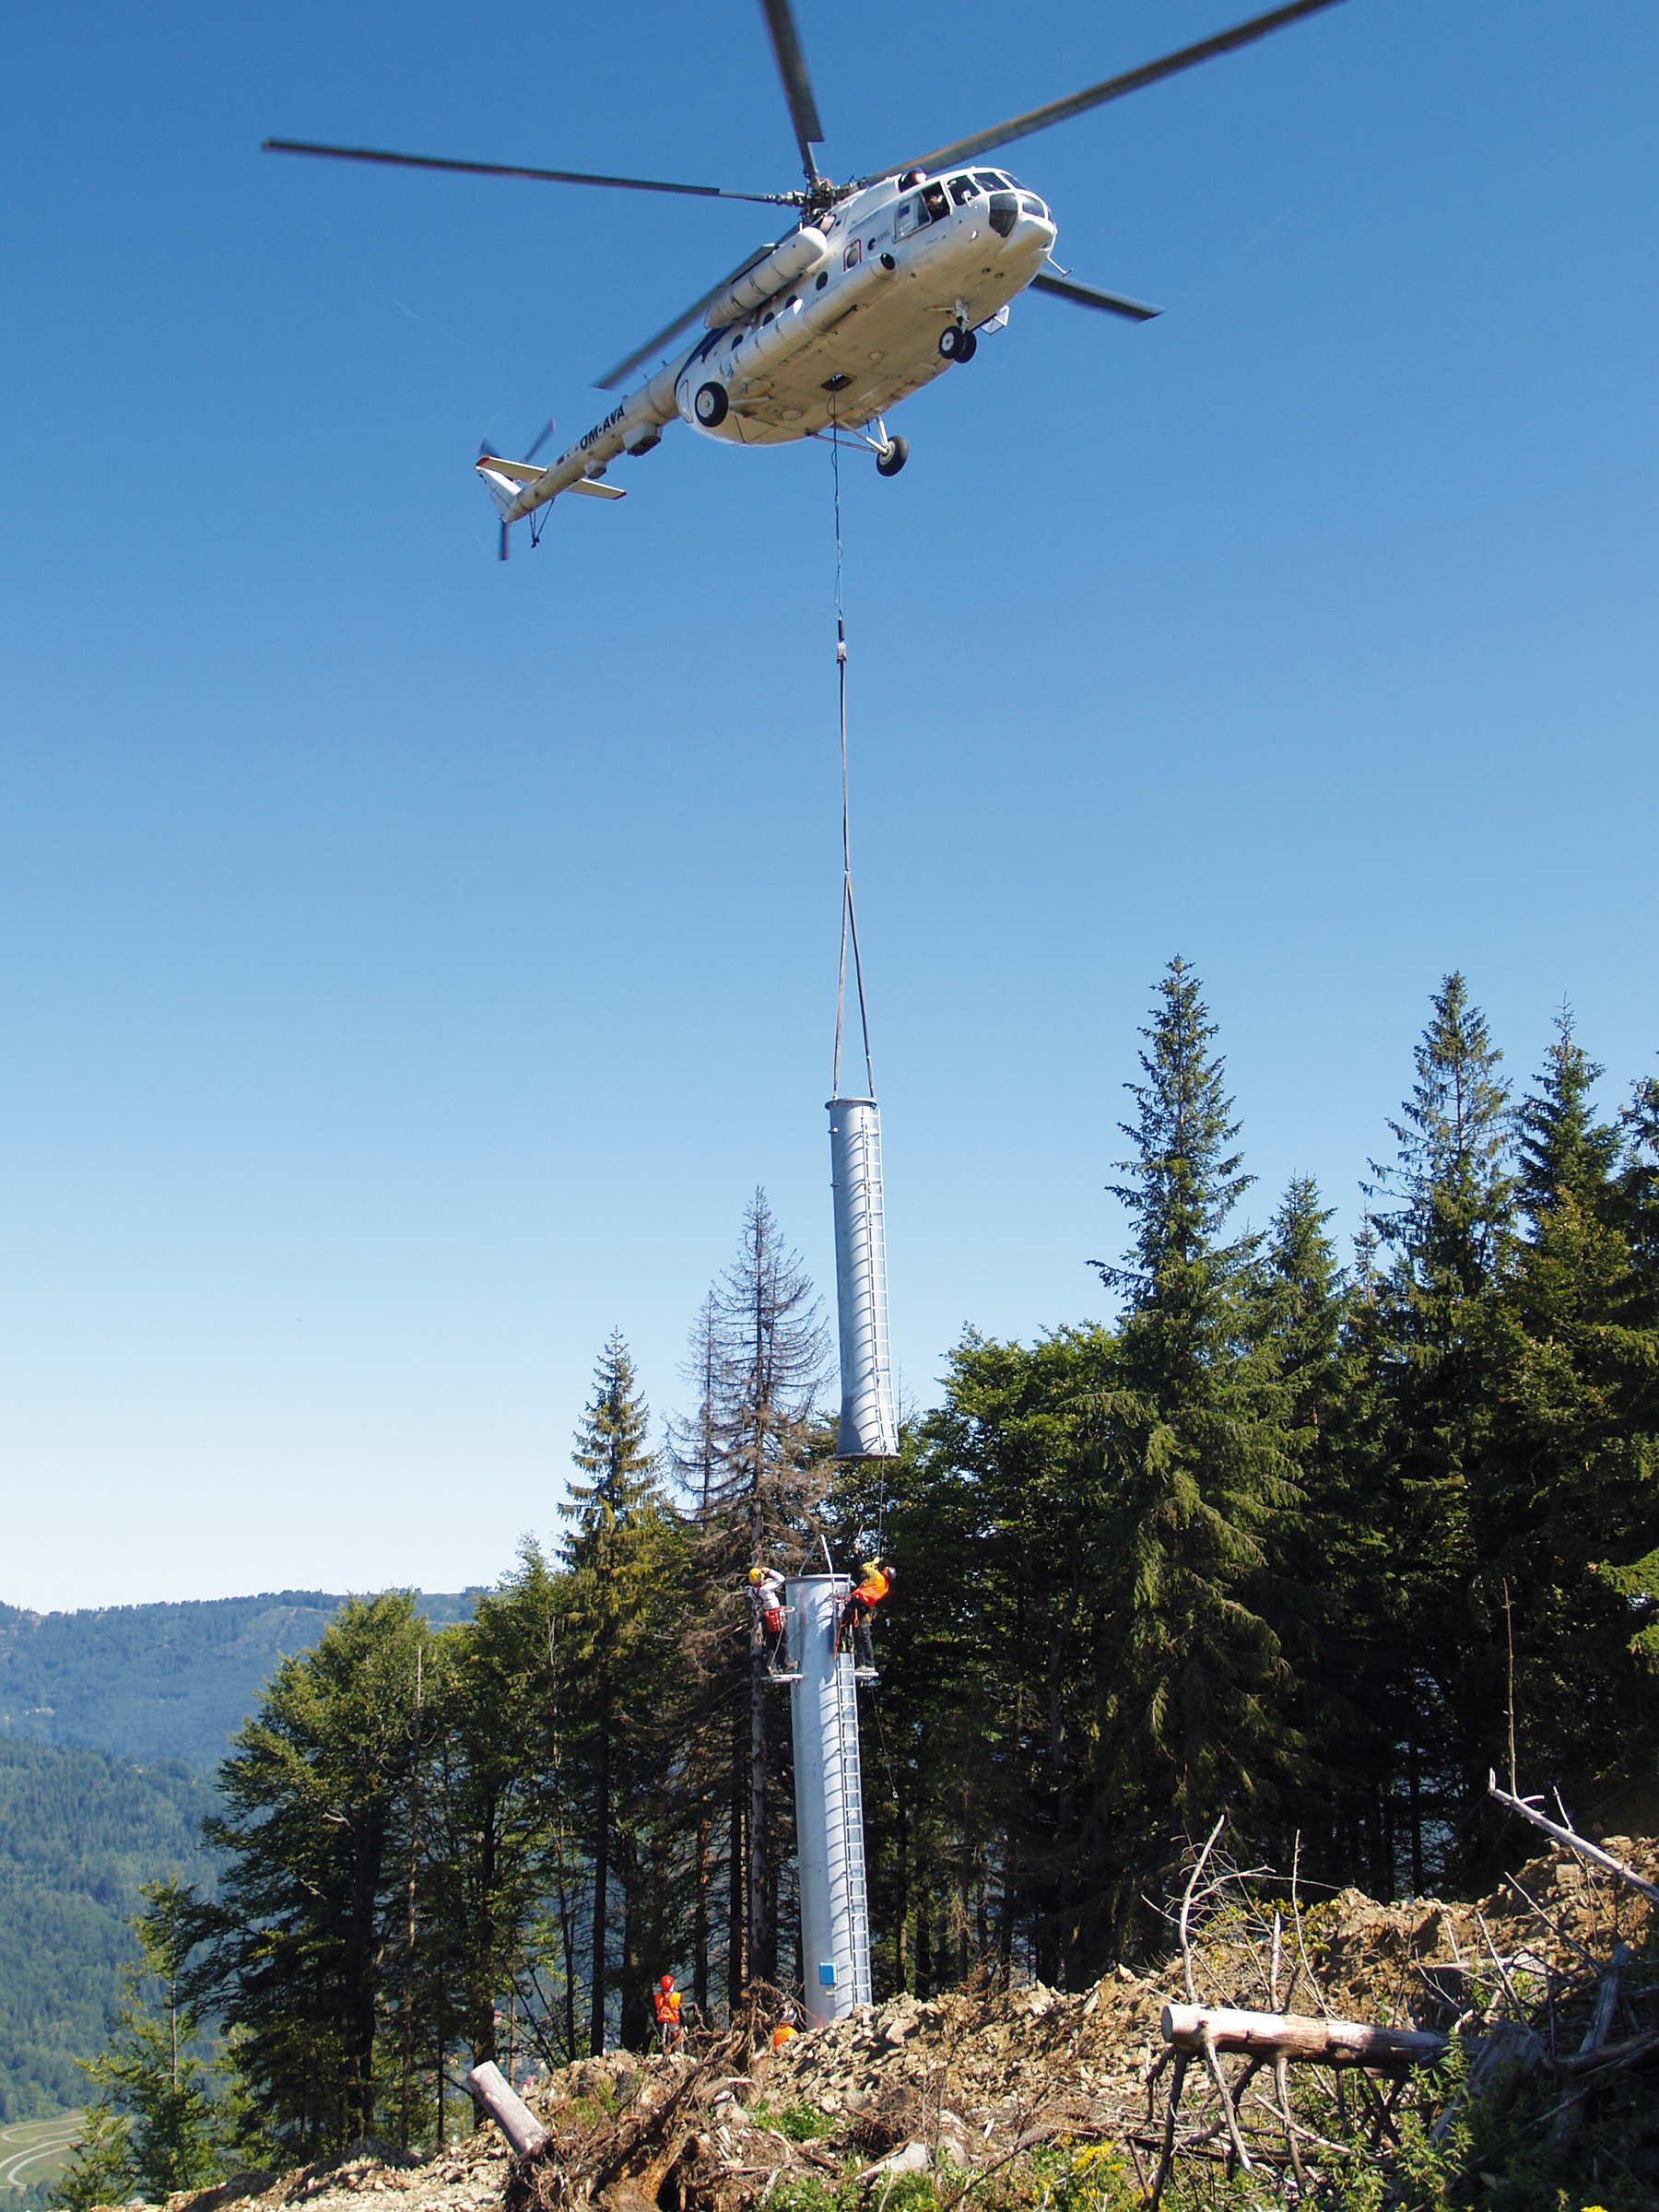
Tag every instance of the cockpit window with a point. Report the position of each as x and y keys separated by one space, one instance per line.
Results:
x=907 y=215
x=1031 y=204
x=989 y=178
x=934 y=200
x=962 y=190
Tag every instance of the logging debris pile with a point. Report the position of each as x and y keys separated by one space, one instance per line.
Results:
x=1034 y=2096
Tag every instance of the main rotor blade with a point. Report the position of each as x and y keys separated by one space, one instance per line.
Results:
x=1114 y=87
x=613 y=377
x=502 y=169
x=1087 y=295
x=797 y=85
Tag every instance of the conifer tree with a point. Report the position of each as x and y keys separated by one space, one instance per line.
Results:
x=621 y=1551
x=304 y=1948
x=1195 y=1470
x=1330 y=1602
x=1569 y=1487
x=156 y=2125
x=1443 y=1210
x=490 y=1839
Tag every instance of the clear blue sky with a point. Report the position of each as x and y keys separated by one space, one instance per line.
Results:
x=408 y=966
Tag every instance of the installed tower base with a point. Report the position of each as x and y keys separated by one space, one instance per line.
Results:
x=835 y=1919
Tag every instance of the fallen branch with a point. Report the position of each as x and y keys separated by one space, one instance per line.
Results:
x=1595 y=2035
x=1574 y=1841
x=1326 y=2043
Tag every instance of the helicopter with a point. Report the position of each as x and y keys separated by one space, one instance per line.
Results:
x=885 y=283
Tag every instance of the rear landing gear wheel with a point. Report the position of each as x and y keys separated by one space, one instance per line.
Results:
x=709 y=406
x=957 y=343
x=894 y=459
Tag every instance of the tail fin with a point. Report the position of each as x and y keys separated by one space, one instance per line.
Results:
x=505 y=480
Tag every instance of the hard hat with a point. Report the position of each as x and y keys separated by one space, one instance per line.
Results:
x=754 y=1574
x=666 y=1982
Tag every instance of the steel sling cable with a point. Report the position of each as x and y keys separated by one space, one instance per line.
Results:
x=848 y=912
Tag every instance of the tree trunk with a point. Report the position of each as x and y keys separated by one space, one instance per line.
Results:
x=1329 y=2043
x=759 y=1949
x=700 y=1932
x=735 y=1860
x=596 y=1992
x=494 y=2099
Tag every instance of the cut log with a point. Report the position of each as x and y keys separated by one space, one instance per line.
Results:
x=506 y=2107
x=1272 y=2035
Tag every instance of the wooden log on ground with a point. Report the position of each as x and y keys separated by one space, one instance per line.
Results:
x=506 y=2107
x=1287 y=2034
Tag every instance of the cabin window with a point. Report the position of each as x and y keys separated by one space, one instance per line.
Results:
x=850 y=259
x=962 y=190
x=937 y=204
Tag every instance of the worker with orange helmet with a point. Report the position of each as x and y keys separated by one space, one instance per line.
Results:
x=785 y=2030
x=667 y=2000
x=861 y=1603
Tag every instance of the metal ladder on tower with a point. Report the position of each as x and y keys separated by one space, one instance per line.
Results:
x=850 y=1798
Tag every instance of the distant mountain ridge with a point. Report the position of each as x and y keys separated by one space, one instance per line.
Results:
x=163 y=1681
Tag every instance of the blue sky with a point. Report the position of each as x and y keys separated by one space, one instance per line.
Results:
x=408 y=966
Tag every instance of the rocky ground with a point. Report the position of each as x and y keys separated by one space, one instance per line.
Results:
x=975 y=2090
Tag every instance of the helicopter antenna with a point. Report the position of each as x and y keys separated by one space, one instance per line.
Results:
x=797 y=85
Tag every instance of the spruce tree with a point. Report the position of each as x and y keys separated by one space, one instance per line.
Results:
x=622 y=1552
x=304 y=1949
x=156 y=2125
x=1196 y=1473
x=1442 y=1211
x=491 y=1839
x=1569 y=1490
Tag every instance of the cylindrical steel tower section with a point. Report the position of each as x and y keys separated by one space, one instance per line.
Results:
x=835 y=1918
x=869 y=1427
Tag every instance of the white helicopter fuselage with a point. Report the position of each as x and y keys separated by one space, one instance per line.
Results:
x=860 y=330
x=854 y=327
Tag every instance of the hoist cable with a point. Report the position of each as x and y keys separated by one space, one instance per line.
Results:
x=848 y=912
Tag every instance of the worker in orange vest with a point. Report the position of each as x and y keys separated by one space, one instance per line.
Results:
x=861 y=1603
x=668 y=1999
x=784 y=2032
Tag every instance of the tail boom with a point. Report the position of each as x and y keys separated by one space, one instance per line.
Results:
x=519 y=487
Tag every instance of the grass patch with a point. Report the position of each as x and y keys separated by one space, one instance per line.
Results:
x=800 y=2122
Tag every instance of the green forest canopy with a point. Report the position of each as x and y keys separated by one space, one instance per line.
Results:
x=1262 y=1545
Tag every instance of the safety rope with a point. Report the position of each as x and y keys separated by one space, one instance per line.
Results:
x=849 y=913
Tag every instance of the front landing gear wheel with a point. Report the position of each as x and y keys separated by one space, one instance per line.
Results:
x=957 y=343
x=709 y=406
x=894 y=459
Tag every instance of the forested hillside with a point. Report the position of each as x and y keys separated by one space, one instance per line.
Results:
x=1309 y=1543
x=166 y=1681
x=81 y=1828
x=79 y=1831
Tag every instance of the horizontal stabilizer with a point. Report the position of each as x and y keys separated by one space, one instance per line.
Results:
x=598 y=491
x=520 y=472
